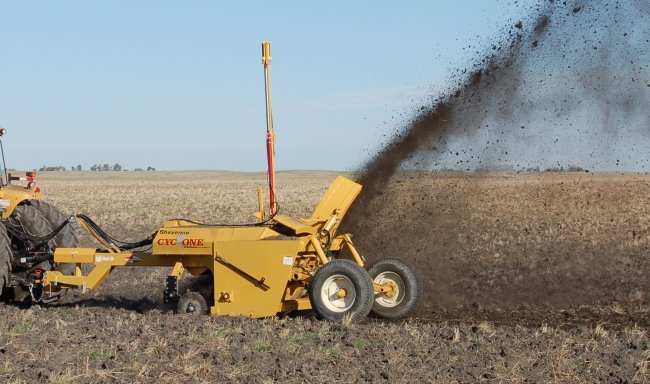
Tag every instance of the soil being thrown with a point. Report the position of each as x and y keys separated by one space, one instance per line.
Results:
x=565 y=88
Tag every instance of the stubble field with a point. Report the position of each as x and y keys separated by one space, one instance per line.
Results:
x=535 y=277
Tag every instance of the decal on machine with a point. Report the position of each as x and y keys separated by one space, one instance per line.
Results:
x=132 y=259
x=166 y=232
x=183 y=242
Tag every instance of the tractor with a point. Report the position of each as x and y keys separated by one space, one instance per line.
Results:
x=31 y=229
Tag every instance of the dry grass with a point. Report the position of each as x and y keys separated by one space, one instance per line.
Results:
x=133 y=204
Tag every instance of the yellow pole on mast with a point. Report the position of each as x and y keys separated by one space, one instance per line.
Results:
x=270 y=135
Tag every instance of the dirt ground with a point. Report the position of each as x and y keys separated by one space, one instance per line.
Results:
x=536 y=277
x=551 y=247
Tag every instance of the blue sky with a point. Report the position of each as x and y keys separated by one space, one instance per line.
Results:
x=179 y=85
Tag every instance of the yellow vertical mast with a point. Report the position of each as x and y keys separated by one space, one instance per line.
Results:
x=270 y=135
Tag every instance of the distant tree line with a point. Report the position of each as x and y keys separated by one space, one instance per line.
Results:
x=106 y=167
x=570 y=168
x=52 y=168
x=95 y=167
x=557 y=169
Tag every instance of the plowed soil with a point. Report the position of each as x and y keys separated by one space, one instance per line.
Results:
x=532 y=277
x=519 y=248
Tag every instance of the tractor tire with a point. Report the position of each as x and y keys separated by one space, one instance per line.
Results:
x=404 y=298
x=5 y=260
x=192 y=303
x=40 y=218
x=340 y=290
x=68 y=235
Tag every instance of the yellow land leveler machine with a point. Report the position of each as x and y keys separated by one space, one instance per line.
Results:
x=281 y=264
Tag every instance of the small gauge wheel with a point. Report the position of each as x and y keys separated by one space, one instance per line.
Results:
x=192 y=303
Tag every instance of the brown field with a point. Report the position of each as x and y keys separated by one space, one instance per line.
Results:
x=537 y=277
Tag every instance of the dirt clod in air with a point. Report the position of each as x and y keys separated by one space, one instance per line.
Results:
x=574 y=79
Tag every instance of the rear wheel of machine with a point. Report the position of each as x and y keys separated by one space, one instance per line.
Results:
x=341 y=289
x=40 y=218
x=5 y=260
x=192 y=303
x=404 y=294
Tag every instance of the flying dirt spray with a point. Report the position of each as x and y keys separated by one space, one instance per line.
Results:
x=568 y=86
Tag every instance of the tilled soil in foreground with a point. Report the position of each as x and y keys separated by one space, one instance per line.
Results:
x=538 y=277
x=103 y=345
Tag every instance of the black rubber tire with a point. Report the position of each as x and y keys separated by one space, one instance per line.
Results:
x=192 y=303
x=340 y=275
x=40 y=218
x=68 y=235
x=402 y=275
x=5 y=259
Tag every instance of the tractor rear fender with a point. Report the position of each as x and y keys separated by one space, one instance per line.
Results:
x=13 y=195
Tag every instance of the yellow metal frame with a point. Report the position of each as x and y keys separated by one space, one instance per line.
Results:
x=257 y=271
